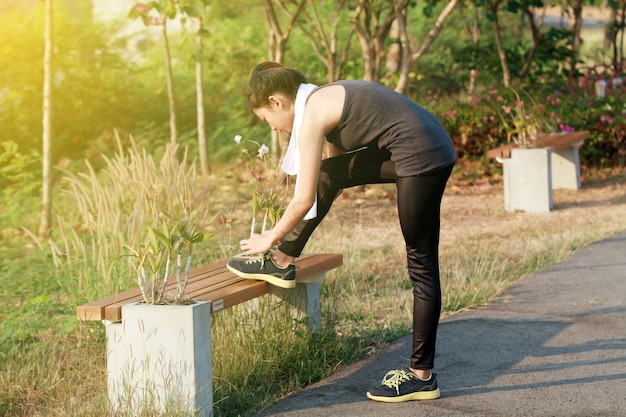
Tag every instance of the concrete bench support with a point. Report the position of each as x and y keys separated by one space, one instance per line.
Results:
x=566 y=169
x=305 y=299
x=528 y=180
x=530 y=174
x=159 y=360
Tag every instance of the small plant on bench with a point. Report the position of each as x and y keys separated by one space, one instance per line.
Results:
x=175 y=237
x=524 y=121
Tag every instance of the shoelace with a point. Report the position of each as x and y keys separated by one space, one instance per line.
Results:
x=393 y=379
x=261 y=258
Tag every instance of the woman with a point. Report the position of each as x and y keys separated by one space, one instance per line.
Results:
x=375 y=135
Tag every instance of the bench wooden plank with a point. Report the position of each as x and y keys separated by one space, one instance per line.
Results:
x=563 y=140
x=557 y=141
x=245 y=290
x=95 y=310
x=112 y=309
x=237 y=293
x=214 y=283
x=209 y=283
x=310 y=266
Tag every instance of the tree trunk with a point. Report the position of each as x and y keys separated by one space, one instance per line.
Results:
x=170 y=86
x=506 y=74
x=202 y=149
x=609 y=30
x=536 y=34
x=277 y=44
x=410 y=58
x=393 y=56
x=368 y=59
x=325 y=46
x=620 y=58
x=575 y=26
x=405 y=51
x=46 y=180
x=372 y=23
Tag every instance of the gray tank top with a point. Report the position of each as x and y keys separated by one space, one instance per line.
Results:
x=374 y=115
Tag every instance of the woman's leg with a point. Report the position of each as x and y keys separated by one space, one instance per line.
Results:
x=367 y=166
x=419 y=202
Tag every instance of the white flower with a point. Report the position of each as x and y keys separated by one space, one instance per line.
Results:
x=263 y=150
x=238 y=139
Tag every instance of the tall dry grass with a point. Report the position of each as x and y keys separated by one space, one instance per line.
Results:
x=112 y=210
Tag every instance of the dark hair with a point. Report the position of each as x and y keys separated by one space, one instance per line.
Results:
x=269 y=78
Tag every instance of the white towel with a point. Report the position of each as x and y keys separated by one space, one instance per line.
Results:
x=291 y=161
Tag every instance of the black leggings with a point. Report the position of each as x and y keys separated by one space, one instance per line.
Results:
x=419 y=202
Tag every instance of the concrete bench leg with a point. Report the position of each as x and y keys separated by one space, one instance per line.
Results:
x=159 y=357
x=305 y=299
x=528 y=180
x=566 y=169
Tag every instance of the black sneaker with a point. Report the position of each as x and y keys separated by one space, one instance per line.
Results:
x=402 y=385
x=263 y=267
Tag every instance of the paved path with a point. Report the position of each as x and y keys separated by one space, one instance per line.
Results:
x=553 y=345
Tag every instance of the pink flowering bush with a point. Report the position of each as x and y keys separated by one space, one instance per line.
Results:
x=490 y=117
x=608 y=119
x=484 y=120
x=473 y=123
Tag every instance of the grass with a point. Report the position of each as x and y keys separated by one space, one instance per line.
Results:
x=53 y=365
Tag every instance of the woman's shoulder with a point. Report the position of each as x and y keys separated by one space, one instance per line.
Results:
x=343 y=88
x=325 y=106
x=332 y=91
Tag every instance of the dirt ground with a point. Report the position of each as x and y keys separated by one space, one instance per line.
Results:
x=476 y=210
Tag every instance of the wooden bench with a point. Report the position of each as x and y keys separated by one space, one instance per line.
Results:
x=217 y=285
x=531 y=174
x=129 y=359
x=565 y=163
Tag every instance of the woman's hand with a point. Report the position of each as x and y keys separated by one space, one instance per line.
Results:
x=257 y=243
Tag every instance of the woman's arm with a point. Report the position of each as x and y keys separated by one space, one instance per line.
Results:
x=322 y=113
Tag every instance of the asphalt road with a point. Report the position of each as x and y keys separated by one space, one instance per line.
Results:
x=553 y=345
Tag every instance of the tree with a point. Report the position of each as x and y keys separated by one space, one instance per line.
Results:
x=277 y=43
x=171 y=9
x=492 y=12
x=166 y=9
x=325 y=41
x=617 y=27
x=195 y=9
x=202 y=146
x=534 y=24
x=575 y=26
x=46 y=183
x=277 y=36
x=372 y=22
x=408 y=57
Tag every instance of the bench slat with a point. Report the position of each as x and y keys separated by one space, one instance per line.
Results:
x=207 y=283
x=557 y=141
x=236 y=293
x=109 y=308
x=564 y=140
x=212 y=283
x=312 y=265
x=245 y=290
x=95 y=310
